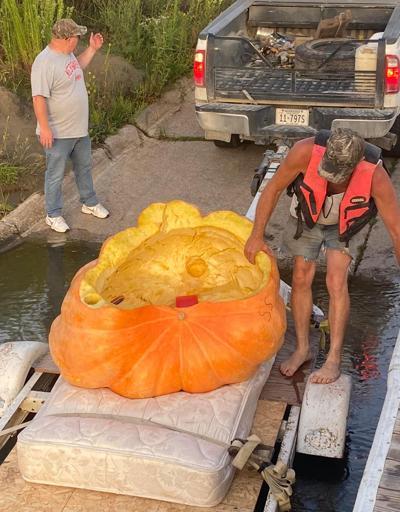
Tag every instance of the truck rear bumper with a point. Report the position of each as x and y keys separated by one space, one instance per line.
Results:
x=257 y=122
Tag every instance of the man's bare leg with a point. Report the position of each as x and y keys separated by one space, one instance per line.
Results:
x=301 y=302
x=339 y=307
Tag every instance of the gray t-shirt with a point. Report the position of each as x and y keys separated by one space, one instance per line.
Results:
x=59 y=78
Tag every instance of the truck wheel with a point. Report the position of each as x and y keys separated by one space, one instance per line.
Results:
x=395 y=151
x=313 y=54
x=233 y=143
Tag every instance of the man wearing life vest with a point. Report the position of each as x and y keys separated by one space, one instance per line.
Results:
x=338 y=184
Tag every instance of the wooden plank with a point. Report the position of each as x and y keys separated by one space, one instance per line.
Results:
x=387 y=501
x=391 y=476
x=16 y=495
x=19 y=496
x=290 y=389
x=394 y=450
x=45 y=364
x=380 y=471
x=396 y=429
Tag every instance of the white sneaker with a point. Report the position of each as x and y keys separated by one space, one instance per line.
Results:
x=57 y=224
x=98 y=210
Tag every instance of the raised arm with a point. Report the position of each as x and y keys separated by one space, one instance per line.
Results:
x=296 y=161
x=95 y=43
x=388 y=206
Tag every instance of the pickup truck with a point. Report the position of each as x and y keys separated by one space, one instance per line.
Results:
x=275 y=71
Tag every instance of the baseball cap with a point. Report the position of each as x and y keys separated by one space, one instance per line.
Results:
x=344 y=150
x=64 y=28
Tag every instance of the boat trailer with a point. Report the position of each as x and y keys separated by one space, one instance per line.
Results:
x=317 y=427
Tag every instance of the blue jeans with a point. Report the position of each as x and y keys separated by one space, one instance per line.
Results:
x=79 y=151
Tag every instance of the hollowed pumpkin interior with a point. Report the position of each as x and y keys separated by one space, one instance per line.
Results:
x=205 y=259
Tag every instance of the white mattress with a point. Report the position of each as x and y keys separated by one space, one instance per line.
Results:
x=169 y=448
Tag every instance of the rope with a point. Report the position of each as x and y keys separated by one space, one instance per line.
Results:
x=323 y=327
x=278 y=477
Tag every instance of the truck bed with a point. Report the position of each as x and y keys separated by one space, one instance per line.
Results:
x=266 y=85
x=238 y=70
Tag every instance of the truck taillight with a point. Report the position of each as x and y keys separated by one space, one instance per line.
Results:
x=199 y=67
x=392 y=78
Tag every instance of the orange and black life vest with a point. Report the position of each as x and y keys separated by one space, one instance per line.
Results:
x=357 y=206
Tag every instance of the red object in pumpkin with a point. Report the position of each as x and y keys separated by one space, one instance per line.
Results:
x=184 y=301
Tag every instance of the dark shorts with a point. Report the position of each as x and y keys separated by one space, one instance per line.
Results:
x=311 y=242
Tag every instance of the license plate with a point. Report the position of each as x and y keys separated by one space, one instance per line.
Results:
x=293 y=116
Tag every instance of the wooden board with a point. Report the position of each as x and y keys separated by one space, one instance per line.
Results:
x=290 y=389
x=391 y=476
x=387 y=501
x=394 y=450
x=396 y=429
x=16 y=495
x=388 y=495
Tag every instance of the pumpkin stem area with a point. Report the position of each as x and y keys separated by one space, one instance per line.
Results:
x=205 y=261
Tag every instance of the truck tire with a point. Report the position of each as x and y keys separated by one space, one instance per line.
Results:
x=313 y=54
x=395 y=151
x=233 y=143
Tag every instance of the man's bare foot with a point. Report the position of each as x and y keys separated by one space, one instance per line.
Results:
x=293 y=363
x=329 y=372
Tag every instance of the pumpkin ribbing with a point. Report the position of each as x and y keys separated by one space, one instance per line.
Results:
x=113 y=333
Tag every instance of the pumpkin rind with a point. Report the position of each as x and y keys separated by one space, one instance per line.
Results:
x=155 y=349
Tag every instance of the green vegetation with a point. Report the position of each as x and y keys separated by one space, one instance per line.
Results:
x=157 y=36
x=25 y=28
x=16 y=162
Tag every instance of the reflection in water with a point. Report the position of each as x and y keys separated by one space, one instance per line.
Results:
x=33 y=282
x=56 y=281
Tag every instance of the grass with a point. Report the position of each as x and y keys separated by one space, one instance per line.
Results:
x=25 y=27
x=16 y=163
x=157 y=36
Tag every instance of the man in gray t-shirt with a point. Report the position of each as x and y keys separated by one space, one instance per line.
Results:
x=61 y=107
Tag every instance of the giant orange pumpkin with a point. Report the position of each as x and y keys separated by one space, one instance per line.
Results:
x=120 y=326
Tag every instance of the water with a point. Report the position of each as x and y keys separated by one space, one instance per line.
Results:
x=35 y=276
x=331 y=486
x=33 y=280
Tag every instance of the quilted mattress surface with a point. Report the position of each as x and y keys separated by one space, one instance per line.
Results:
x=172 y=447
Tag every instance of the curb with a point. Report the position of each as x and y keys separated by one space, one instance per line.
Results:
x=18 y=223
x=13 y=225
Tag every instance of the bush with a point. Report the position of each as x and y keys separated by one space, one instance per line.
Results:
x=25 y=28
x=157 y=36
